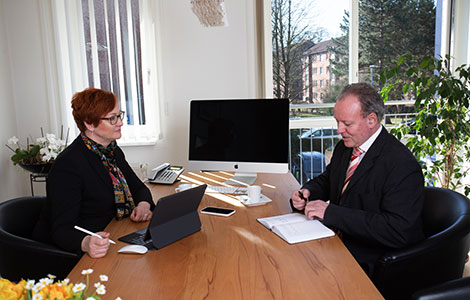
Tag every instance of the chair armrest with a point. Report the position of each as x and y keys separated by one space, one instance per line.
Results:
x=429 y=245
x=454 y=289
x=437 y=259
x=35 y=246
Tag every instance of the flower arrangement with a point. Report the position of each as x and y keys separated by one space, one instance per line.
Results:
x=45 y=150
x=46 y=288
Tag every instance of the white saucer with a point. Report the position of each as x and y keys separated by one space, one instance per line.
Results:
x=246 y=201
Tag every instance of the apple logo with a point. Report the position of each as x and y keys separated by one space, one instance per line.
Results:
x=236 y=166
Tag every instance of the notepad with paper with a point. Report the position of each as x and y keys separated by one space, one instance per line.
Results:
x=296 y=228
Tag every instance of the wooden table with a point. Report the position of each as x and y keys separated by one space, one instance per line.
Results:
x=231 y=257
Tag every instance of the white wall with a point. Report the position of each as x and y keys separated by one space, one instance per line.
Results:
x=196 y=62
x=13 y=180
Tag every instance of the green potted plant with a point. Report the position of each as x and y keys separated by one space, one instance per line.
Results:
x=440 y=132
x=36 y=157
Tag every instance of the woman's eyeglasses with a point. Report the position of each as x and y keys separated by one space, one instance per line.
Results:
x=113 y=119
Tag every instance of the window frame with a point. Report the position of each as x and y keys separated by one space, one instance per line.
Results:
x=66 y=67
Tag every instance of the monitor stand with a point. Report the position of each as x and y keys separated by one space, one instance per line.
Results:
x=242 y=179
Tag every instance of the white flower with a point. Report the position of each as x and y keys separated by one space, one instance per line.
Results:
x=37 y=287
x=29 y=284
x=86 y=272
x=37 y=297
x=118 y=298
x=90 y=298
x=51 y=276
x=13 y=140
x=46 y=281
x=64 y=282
x=46 y=155
x=103 y=278
x=78 y=287
x=41 y=140
x=98 y=284
x=101 y=290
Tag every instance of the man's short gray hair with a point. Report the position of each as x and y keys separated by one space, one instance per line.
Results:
x=370 y=100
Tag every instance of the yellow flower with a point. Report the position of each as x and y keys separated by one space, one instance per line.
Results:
x=46 y=289
x=56 y=291
x=12 y=291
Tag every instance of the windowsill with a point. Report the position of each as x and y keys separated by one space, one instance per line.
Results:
x=146 y=142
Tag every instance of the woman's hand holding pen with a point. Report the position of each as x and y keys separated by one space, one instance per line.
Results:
x=300 y=198
x=96 y=247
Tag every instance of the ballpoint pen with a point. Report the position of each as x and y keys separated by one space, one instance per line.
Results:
x=302 y=196
x=92 y=233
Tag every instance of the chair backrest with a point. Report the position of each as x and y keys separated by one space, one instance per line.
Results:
x=440 y=257
x=20 y=255
x=441 y=209
x=19 y=217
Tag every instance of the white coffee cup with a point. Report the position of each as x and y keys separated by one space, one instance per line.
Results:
x=254 y=193
x=183 y=187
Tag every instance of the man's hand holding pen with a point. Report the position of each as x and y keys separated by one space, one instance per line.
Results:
x=300 y=198
x=313 y=209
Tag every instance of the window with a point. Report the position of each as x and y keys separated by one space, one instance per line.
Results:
x=402 y=26
x=108 y=44
x=114 y=53
x=321 y=83
x=321 y=70
x=314 y=71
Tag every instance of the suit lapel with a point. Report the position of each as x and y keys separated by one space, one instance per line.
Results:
x=343 y=167
x=368 y=161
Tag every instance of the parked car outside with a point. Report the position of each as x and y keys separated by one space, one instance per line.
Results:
x=309 y=165
x=319 y=139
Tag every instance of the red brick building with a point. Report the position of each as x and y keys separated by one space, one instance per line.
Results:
x=317 y=77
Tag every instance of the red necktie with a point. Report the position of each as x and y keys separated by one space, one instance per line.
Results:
x=352 y=166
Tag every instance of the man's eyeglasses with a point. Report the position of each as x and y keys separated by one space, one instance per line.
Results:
x=113 y=119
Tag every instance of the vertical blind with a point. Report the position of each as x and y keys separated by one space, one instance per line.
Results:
x=113 y=52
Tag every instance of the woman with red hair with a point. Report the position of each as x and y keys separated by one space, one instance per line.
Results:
x=91 y=182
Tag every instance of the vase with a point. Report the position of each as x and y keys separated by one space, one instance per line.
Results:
x=38 y=168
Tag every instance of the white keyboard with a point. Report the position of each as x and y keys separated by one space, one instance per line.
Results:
x=236 y=190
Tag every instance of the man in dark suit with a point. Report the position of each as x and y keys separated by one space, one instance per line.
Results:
x=372 y=191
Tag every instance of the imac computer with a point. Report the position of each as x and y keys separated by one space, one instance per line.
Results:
x=245 y=136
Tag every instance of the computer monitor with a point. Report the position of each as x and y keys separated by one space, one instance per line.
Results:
x=245 y=136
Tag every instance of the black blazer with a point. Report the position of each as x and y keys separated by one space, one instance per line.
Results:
x=381 y=207
x=80 y=192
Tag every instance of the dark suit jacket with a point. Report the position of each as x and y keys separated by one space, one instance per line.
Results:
x=80 y=192
x=381 y=207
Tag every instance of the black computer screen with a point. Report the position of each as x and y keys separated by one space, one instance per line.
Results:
x=239 y=130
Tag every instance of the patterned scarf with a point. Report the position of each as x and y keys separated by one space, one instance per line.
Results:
x=122 y=194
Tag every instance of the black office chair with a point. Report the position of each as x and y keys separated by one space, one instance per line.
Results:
x=458 y=289
x=438 y=258
x=20 y=256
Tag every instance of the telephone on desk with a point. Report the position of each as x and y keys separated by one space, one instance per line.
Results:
x=165 y=174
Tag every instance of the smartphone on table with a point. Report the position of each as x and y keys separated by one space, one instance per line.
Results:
x=218 y=211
